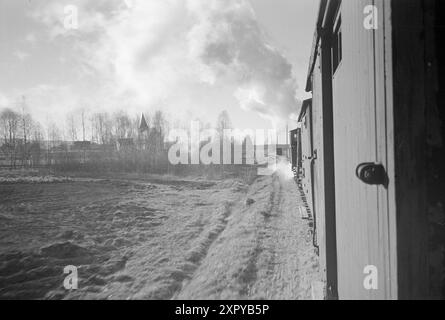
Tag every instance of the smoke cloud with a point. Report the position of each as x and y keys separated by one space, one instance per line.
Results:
x=230 y=42
x=173 y=53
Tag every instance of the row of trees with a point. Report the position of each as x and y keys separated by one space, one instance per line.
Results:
x=20 y=133
x=26 y=140
x=18 y=126
x=23 y=138
x=106 y=128
x=101 y=128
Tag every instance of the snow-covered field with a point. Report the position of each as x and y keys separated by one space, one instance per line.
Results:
x=155 y=238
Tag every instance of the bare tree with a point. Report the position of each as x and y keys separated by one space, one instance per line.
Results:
x=26 y=124
x=10 y=124
x=36 y=139
x=4 y=125
x=71 y=122
x=157 y=131
x=37 y=134
x=122 y=125
x=54 y=134
x=103 y=128
x=223 y=122
x=83 y=119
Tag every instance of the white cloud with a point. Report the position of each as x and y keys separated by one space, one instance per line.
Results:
x=4 y=101
x=92 y=16
x=169 y=52
x=50 y=102
x=21 y=55
x=31 y=38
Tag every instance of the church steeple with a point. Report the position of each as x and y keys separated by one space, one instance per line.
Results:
x=143 y=126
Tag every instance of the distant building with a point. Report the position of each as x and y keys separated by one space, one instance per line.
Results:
x=125 y=144
x=283 y=150
x=295 y=141
x=143 y=126
x=81 y=145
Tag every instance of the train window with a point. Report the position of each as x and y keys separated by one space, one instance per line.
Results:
x=337 y=53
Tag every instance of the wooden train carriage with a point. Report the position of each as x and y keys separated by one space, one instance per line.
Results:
x=305 y=120
x=295 y=153
x=378 y=83
x=322 y=173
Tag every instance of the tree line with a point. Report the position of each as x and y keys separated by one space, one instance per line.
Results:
x=24 y=139
x=26 y=142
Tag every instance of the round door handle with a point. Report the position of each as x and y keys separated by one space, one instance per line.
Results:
x=372 y=173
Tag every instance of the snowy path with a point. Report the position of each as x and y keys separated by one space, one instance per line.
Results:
x=265 y=251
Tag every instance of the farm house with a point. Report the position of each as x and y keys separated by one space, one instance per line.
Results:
x=372 y=147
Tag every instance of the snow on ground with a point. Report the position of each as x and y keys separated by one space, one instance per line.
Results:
x=28 y=176
x=265 y=251
x=158 y=238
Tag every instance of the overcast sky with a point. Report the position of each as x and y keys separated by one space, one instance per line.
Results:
x=190 y=58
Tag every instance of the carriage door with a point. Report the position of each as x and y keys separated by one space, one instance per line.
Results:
x=360 y=143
